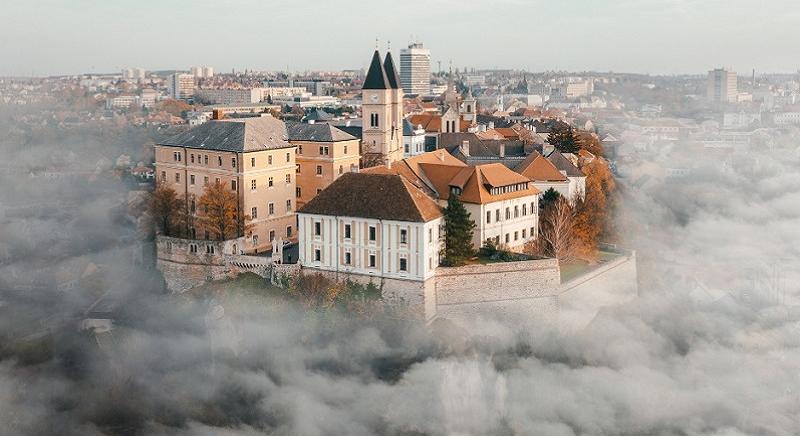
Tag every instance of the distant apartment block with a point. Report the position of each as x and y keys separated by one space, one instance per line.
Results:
x=415 y=69
x=570 y=89
x=722 y=86
x=181 y=86
x=202 y=72
x=133 y=74
x=241 y=96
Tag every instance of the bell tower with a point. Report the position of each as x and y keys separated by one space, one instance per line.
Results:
x=376 y=113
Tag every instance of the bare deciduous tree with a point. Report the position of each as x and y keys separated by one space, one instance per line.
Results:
x=556 y=231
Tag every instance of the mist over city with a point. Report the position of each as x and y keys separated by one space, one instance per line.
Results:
x=390 y=232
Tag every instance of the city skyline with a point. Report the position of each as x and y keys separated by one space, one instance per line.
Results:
x=656 y=37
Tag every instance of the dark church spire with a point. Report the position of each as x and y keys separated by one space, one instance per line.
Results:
x=391 y=72
x=376 y=75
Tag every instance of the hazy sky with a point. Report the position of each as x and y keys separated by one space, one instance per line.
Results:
x=44 y=37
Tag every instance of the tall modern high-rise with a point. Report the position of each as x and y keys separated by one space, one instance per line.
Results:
x=415 y=69
x=722 y=86
x=181 y=86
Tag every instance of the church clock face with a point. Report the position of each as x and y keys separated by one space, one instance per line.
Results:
x=374 y=98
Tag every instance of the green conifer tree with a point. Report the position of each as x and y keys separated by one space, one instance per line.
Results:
x=459 y=228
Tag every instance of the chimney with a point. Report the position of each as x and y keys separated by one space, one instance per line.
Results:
x=491 y=125
x=389 y=163
x=502 y=150
x=217 y=114
x=311 y=121
x=465 y=148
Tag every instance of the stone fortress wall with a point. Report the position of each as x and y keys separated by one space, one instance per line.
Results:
x=519 y=291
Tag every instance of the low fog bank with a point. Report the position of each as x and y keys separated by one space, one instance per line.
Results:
x=710 y=347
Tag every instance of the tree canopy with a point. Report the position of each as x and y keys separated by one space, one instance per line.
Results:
x=564 y=139
x=218 y=212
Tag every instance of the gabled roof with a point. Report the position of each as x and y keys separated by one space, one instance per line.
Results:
x=318 y=114
x=484 y=177
x=376 y=75
x=391 y=71
x=316 y=132
x=374 y=195
x=236 y=135
x=563 y=164
x=537 y=168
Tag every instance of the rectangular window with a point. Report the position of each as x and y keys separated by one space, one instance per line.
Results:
x=233 y=162
x=297 y=168
x=254 y=212
x=516 y=236
x=320 y=150
x=269 y=182
x=508 y=239
x=288 y=205
x=533 y=231
x=255 y=239
x=372 y=261
x=317 y=228
x=317 y=255
x=288 y=178
x=288 y=157
x=269 y=160
x=524 y=233
x=252 y=162
x=345 y=149
x=516 y=211
x=163 y=176
x=347 y=231
x=403 y=236
x=403 y=264
x=205 y=159
x=271 y=208
x=347 y=258
x=430 y=235
x=191 y=179
x=288 y=231
x=205 y=180
x=508 y=213
x=271 y=235
x=488 y=216
x=177 y=177
x=299 y=149
x=192 y=157
x=233 y=185
x=219 y=160
x=497 y=215
x=524 y=209
x=372 y=232
x=253 y=184
x=319 y=170
x=297 y=192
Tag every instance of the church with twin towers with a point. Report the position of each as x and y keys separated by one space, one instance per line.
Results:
x=382 y=112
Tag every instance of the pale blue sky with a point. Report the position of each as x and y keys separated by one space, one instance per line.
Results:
x=651 y=36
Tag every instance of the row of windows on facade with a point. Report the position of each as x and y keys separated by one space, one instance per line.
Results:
x=203 y=159
x=508 y=213
x=516 y=234
x=271 y=235
x=192 y=179
x=270 y=209
x=319 y=169
x=270 y=182
x=324 y=150
x=371 y=263
x=372 y=232
x=509 y=188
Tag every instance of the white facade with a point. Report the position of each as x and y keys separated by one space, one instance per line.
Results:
x=510 y=222
x=381 y=248
x=415 y=69
x=414 y=144
x=562 y=188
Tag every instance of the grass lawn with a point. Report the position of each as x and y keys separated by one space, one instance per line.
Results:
x=576 y=268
